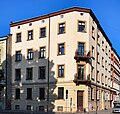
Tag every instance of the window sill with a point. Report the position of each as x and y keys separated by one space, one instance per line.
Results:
x=42 y=37
x=18 y=41
x=29 y=39
x=82 y=31
x=60 y=54
x=61 y=33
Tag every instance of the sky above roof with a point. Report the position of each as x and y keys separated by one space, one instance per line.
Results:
x=106 y=11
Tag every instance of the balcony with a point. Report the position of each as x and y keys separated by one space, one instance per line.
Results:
x=82 y=79
x=82 y=56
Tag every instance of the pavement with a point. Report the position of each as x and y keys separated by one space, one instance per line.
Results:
x=109 y=111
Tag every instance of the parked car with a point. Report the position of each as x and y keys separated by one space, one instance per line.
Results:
x=116 y=108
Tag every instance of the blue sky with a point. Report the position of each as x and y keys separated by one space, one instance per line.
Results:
x=106 y=11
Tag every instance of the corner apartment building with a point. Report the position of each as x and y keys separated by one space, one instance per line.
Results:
x=60 y=62
x=115 y=75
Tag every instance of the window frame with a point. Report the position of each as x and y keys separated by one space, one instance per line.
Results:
x=42 y=96
x=28 y=77
x=31 y=35
x=18 y=55
x=59 y=50
x=20 y=38
x=18 y=77
x=43 y=35
x=29 y=94
x=43 y=51
x=60 y=95
x=39 y=73
x=17 y=93
x=30 y=55
x=85 y=26
x=61 y=71
x=59 y=28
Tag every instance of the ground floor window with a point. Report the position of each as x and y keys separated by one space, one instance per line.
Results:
x=41 y=108
x=17 y=107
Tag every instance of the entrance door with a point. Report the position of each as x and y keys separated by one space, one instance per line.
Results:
x=80 y=100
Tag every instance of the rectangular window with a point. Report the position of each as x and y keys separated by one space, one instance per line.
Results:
x=81 y=26
x=60 y=92
x=43 y=32
x=61 y=49
x=17 y=93
x=42 y=52
x=80 y=69
x=29 y=93
x=93 y=52
x=18 y=37
x=98 y=76
x=29 y=107
x=29 y=54
x=17 y=74
x=17 y=107
x=102 y=79
x=61 y=28
x=61 y=71
x=93 y=32
x=98 y=57
x=98 y=94
x=92 y=73
x=42 y=93
x=30 y=35
x=42 y=72
x=92 y=93
x=81 y=49
x=18 y=56
x=41 y=108
x=29 y=73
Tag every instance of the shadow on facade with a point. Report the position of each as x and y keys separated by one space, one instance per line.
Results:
x=49 y=83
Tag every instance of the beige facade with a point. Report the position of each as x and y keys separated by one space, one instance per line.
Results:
x=46 y=45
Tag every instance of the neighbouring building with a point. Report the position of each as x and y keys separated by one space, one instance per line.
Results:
x=115 y=76
x=5 y=77
x=61 y=62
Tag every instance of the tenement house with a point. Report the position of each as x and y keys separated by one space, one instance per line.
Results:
x=61 y=62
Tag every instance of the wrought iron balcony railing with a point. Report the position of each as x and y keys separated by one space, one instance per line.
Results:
x=82 y=55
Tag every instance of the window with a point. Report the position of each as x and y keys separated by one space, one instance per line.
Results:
x=30 y=35
x=17 y=74
x=42 y=52
x=29 y=107
x=98 y=57
x=18 y=37
x=80 y=69
x=17 y=107
x=60 y=108
x=43 y=32
x=29 y=73
x=92 y=93
x=92 y=73
x=41 y=93
x=81 y=50
x=42 y=72
x=18 y=56
x=98 y=76
x=60 y=92
x=98 y=94
x=61 y=50
x=30 y=54
x=29 y=93
x=60 y=70
x=98 y=39
x=106 y=65
x=102 y=79
x=102 y=61
x=17 y=93
x=41 y=108
x=81 y=26
x=105 y=80
x=93 y=52
x=93 y=32
x=61 y=28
